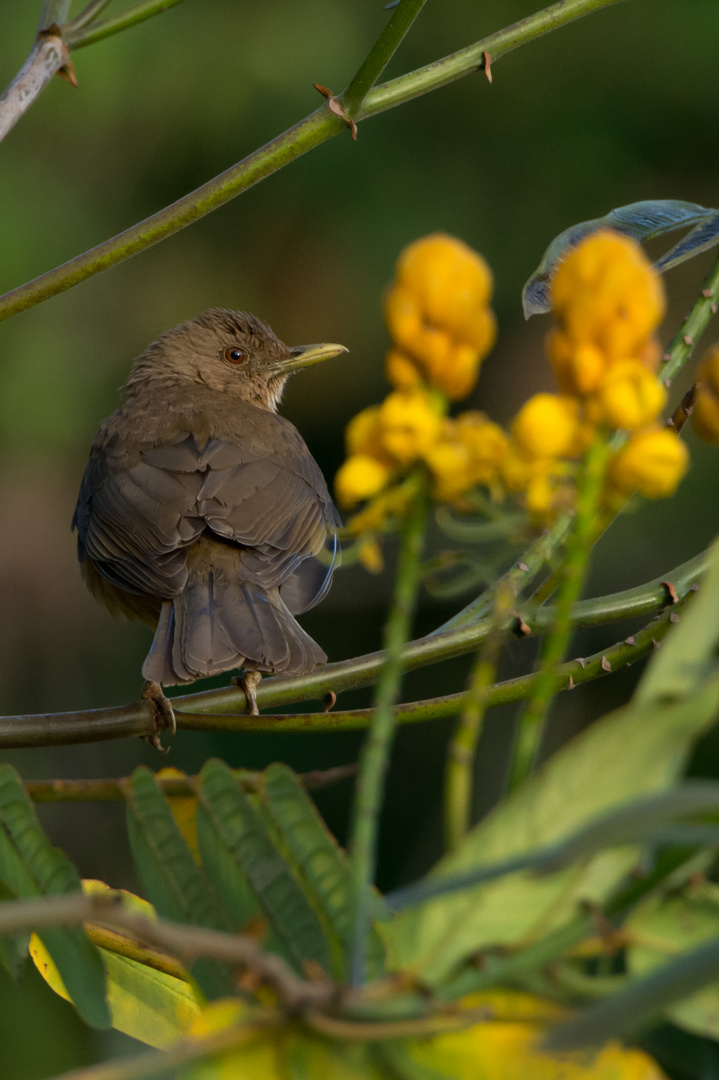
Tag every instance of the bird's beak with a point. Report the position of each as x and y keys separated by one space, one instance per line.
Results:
x=304 y=355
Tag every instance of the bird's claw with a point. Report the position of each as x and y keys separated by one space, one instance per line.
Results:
x=163 y=715
x=248 y=682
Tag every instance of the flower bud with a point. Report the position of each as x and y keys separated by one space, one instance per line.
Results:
x=652 y=463
x=410 y=423
x=705 y=417
x=606 y=292
x=630 y=396
x=547 y=426
x=359 y=478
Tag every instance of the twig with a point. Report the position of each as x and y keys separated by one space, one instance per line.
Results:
x=459 y=773
x=78 y=34
x=185 y=942
x=87 y=15
x=380 y=54
x=223 y=710
x=530 y=728
x=48 y=56
x=165 y=1063
x=111 y=790
x=293 y=143
x=471 y=59
x=375 y=753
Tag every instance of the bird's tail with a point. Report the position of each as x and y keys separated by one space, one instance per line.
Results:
x=219 y=623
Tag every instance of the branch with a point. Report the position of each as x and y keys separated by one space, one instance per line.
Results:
x=49 y=56
x=308 y=133
x=220 y=710
x=185 y=942
x=78 y=34
x=111 y=790
x=380 y=54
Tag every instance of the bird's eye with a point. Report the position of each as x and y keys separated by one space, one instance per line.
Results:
x=234 y=355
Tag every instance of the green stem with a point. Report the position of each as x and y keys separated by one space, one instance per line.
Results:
x=531 y=723
x=53 y=13
x=380 y=54
x=87 y=15
x=218 y=710
x=517 y=578
x=78 y=34
x=308 y=133
x=375 y=754
x=111 y=790
x=471 y=59
x=696 y=322
x=459 y=774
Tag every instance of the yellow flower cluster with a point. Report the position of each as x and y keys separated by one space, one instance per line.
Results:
x=438 y=315
x=608 y=301
x=705 y=417
x=442 y=328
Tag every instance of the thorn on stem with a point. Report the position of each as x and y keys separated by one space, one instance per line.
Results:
x=336 y=107
x=487 y=65
x=671 y=590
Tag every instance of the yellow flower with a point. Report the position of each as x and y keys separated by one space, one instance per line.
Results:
x=630 y=396
x=363 y=434
x=606 y=292
x=448 y=462
x=652 y=463
x=579 y=367
x=547 y=426
x=449 y=280
x=370 y=556
x=486 y=445
x=410 y=423
x=438 y=316
x=705 y=417
x=359 y=478
x=516 y=469
x=401 y=370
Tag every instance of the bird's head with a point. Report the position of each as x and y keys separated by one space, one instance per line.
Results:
x=232 y=352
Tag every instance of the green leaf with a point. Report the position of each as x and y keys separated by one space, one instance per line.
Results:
x=640 y=220
x=175 y=883
x=591 y=776
x=646 y=820
x=31 y=866
x=318 y=859
x=667 y=925
x=688 y=654
x=239 y=827
x=13 y=950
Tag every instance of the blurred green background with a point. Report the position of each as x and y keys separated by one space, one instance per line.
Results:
x=616 y=108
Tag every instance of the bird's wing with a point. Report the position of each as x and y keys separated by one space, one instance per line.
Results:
x=275 y=506
x=135 y=524
x=270 y=501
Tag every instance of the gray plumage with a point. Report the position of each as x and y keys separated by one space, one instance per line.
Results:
x=202 y=511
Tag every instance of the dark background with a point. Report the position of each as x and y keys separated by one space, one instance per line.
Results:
x=616 y=108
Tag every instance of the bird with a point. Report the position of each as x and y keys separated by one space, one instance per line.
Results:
x=202 y=512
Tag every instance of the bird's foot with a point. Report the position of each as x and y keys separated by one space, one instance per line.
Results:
x=163 y=716
x=249 y=683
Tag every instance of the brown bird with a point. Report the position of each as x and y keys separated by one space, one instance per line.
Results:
x=202 y=512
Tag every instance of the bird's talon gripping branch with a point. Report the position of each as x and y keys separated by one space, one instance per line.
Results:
x=249 y=683
x=163 y=715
